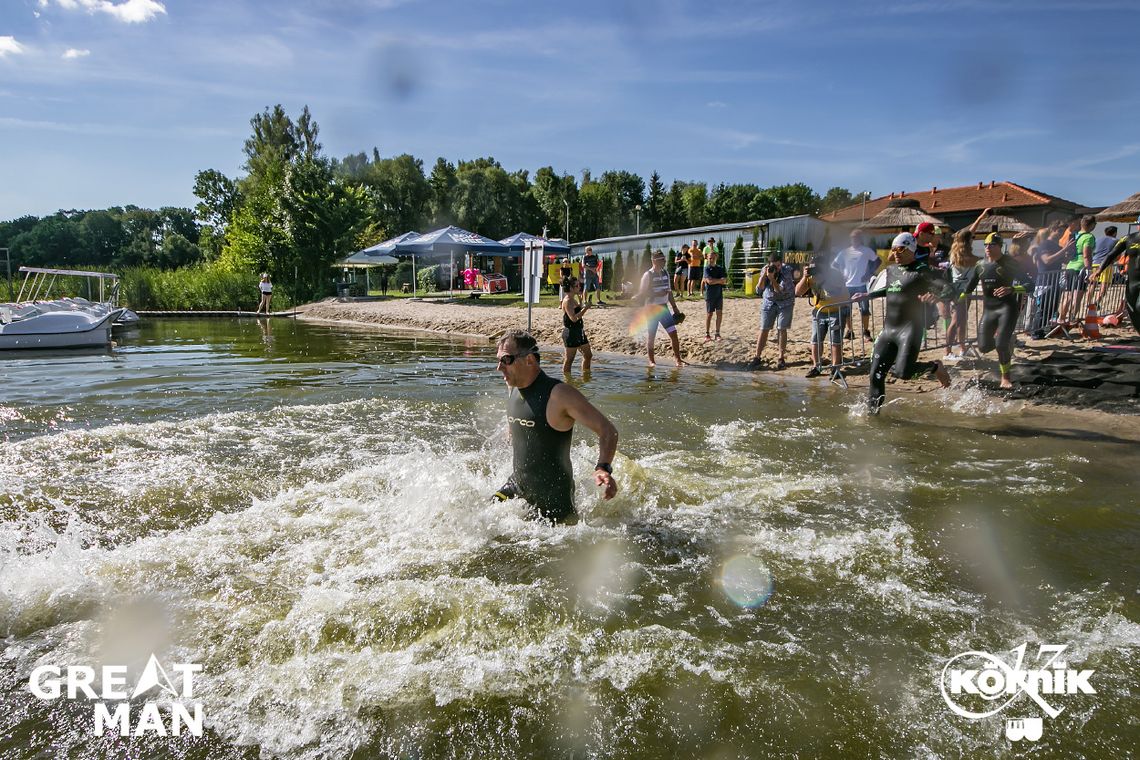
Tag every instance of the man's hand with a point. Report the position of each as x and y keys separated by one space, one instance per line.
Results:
x=1003 y=291
x=605 y=480
x=928 y=298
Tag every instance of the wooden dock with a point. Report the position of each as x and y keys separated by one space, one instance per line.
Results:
x=173 y=314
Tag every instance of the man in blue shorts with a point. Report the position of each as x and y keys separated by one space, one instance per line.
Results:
x=657 y=295
x=830 y=313
x=778 y=298
x=715 y=278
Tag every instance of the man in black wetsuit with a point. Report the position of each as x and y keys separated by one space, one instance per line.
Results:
x=911 y=285
x=1130 y=247
x=541 y=413
x=1002 y=280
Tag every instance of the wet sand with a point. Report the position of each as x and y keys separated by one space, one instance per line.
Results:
x=1063 y=372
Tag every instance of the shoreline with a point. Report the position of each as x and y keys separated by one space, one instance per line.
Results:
x=608 y=329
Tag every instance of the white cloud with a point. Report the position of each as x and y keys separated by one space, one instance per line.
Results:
x=71 y=53
x=127 y=11
x=9 y=46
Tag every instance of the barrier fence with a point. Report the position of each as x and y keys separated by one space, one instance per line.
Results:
x=1056 y=301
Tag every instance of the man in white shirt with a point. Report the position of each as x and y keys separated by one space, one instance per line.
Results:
x=858 y=264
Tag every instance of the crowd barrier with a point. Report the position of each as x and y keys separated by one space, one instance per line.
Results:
x=1056 y=301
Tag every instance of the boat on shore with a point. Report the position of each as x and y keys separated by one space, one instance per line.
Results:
x=37 y=321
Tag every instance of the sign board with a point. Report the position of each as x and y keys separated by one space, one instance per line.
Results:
x=533 y=251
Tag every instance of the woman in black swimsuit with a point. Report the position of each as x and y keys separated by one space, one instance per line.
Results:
x=573 y=331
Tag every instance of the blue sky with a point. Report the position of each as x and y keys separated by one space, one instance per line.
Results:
x=114 y=102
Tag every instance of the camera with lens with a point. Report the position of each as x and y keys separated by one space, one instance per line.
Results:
x=812 y=269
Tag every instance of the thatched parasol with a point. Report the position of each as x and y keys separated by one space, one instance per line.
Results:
x=901 y=213
x=1004 y=224
x=1128 y=210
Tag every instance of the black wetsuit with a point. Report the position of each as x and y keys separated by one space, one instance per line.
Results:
x=1130 y=247
x=573 y=333
x=542 y=472
x=999 y=315
x=904 y=322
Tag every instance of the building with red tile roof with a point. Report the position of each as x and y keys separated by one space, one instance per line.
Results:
x=960 y=206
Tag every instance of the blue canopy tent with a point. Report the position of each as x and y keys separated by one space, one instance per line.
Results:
x=517 y=242
x=449 y=240
x=375 y=255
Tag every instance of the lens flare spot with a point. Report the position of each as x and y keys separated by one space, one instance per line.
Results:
x=746 y=581
x=645 y=316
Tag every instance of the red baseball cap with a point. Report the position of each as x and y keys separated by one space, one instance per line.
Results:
x=925 y=227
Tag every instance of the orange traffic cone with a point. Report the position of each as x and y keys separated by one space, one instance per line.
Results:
x=1092 y=323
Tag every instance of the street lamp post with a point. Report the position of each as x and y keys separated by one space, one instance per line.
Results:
x=637 y=212
x=865 y=194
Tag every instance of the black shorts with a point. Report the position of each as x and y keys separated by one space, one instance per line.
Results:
x=696 y=273
x=1076 y=279
x=714 y=303
x=574 y=337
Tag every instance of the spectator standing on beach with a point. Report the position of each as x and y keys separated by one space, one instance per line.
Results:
x=1048 y=257
x=1077 y=271
x=696 y=266
x=565 y=272
x=1002 y=280
x=265 y=289
x=910 y=286
x=778 y=298
x=713 y=282
x=573 y=330
x=962 y=263
x=541 y=413
x=825 y=286
x=681 y=273
x=858 y=264
x=659 y=304
x=591 y=278
x=383 y=282
x=1104 y=246
x=937 y=257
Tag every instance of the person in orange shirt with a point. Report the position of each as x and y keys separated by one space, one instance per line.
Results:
x=696 y=267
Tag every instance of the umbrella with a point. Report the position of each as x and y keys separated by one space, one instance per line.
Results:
x=517 y=242
x=900 y=213
x=449 y=239
x=375 y=255
x=1128 y=210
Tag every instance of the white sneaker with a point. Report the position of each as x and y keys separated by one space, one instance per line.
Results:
x=952 y=358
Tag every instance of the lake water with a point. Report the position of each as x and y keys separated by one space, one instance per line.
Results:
x=302 y=510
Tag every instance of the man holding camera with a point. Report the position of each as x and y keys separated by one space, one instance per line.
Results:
x=826 y=286
x=777 y=286
x=591 y=282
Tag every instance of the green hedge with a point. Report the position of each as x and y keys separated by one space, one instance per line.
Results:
x=199 y=288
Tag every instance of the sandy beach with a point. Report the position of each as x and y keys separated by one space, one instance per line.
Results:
x=1060 y=371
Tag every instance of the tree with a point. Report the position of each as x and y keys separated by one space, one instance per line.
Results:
x=629 y=191
x=276 y=139
x=217 y=198
x=596 y=213
x=654 y=204
x=730 y=203
x=694 y=199
x=552 y=193
x=835 y=199
x=444 y=184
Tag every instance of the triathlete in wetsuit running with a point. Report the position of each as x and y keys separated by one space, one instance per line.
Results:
x=911 y=285
x=541 y=413
x=1130 y=247
x=1002 y=280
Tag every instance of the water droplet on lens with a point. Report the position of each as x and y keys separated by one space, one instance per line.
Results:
x=746 y=581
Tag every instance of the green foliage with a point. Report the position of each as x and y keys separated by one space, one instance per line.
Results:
x=755 y=238
x=619 y=275
x=835 y=199
x=597 y=211
x=427 y=279
x=403 y=275
x=203 y=287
